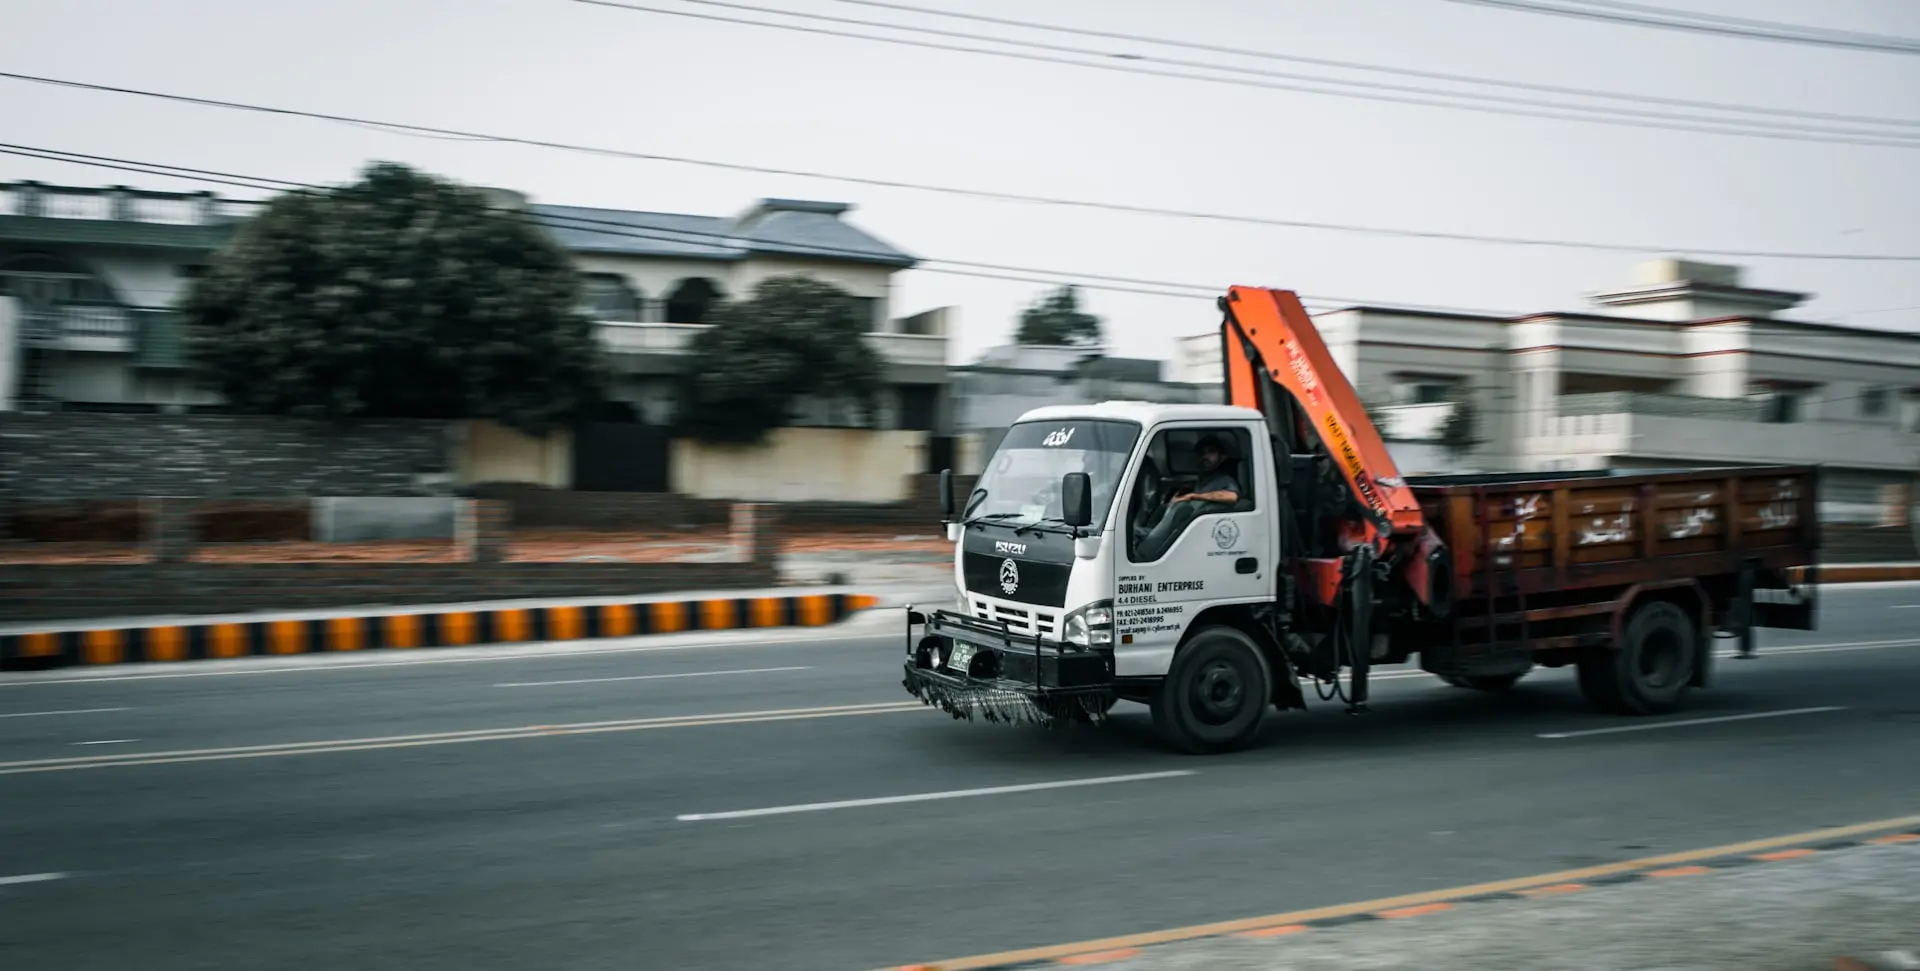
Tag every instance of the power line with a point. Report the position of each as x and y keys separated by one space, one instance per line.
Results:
x=998 y=196
x=1664 y=19
x=1384 y=69
x=1368 y=89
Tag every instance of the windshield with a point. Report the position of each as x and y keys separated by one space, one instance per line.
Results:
x=1021 y=483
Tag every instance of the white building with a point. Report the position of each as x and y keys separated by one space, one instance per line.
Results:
x=89 y=278
x=1687 y=366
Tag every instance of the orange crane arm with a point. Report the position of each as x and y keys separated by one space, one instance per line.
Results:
x=1268 y=334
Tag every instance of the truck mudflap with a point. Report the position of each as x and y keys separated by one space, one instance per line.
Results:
x=970 y=668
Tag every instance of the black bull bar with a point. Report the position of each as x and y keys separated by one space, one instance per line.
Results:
x=969 y=667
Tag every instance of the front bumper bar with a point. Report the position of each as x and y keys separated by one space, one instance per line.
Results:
x=1006 y=677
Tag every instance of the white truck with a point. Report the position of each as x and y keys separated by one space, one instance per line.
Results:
x=1204 y=559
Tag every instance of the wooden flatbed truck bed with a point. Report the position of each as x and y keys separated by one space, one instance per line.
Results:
x=1553 y=568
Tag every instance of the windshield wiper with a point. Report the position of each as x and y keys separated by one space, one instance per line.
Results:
x=1035 y=526
x=994 y=517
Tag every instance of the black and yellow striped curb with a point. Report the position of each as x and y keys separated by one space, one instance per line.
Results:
x=463 y=627
x=1670 y=867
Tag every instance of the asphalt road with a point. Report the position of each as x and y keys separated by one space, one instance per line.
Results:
x=273 y=815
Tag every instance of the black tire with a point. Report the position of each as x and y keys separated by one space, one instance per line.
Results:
x=1215 y=697
x=1650 y=671
x=1484 y=682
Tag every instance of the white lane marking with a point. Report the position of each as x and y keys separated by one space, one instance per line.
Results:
x=450 y=738
x=110 y=741
x=31 y=878
x=1693 y=721
x=1829 y=648
x=650 y=677
x=929 y=796
x=70 y=711
x=1906 y=606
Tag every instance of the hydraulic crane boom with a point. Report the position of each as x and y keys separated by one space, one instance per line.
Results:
x=1276 y=363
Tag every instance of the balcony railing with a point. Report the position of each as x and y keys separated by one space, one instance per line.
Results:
x=624 y=337
x=1676 y=405
x=80 y=327
x=1686 y=430
x=117 y=205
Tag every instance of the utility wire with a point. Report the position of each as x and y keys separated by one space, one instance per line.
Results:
x=1014 y=197
x=1362 y=90
x=1600 y=112
x=1665 y=19
x=1401 y=71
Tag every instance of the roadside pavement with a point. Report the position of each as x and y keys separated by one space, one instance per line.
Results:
x=1792 y=910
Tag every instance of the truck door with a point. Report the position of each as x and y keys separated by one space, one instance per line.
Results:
x=1177 y=557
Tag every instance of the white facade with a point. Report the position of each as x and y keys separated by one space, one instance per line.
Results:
x=93 y=274
x=1686 y=367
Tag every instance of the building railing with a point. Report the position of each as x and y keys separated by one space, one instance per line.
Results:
x=1672 y=405
x=122 y=205
x=84 y=326
x=626 y=337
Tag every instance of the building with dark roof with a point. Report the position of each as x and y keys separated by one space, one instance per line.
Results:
x=90 y=276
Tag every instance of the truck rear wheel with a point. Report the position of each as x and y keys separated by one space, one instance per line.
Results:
x=1215 y=696
x=1650 y=671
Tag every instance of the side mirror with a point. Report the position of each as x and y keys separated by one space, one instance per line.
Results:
x=1076 y=500
x=946 y=495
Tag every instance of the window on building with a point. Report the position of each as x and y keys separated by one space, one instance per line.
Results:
x=919 y=404
x=869 y=310
x=691 y=300
x=607 y=296
x=1783 y=408
x=1873 y=402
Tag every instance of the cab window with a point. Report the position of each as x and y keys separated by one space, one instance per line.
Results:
x=1185 y=475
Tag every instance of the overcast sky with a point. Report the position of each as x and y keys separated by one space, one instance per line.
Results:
x=564 y=71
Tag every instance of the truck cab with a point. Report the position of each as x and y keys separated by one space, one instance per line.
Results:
x=1120 y=583
x=1079 y=556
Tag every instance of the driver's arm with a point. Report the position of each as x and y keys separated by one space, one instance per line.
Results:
x=1225 y=490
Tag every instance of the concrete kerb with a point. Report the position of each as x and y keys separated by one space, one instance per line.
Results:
x=499 y=623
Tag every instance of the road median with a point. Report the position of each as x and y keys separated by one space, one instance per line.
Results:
x=177 y=639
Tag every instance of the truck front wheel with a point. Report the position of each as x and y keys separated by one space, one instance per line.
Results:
x=1650 y=671
x=1215 y=696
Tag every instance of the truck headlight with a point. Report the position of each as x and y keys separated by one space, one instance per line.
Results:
x=1092 y=625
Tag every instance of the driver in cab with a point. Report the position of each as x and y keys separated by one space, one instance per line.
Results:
x=1214 y=486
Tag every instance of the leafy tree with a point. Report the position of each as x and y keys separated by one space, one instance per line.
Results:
x=794 y=337
x=399 y=296
x=1057 y=319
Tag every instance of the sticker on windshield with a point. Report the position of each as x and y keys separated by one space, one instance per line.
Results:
x=1059 y=437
